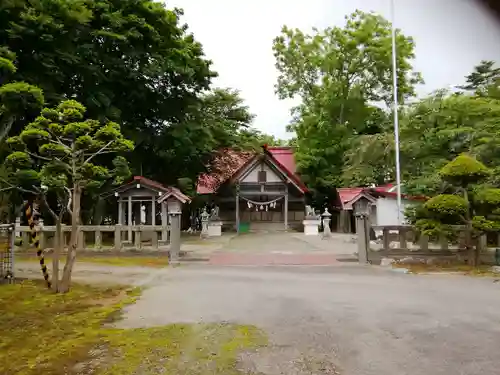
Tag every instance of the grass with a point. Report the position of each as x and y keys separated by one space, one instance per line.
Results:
x=45 y=333
x=155 y=261
x=462 y=269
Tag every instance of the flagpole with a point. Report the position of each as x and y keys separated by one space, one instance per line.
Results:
x=395 y=109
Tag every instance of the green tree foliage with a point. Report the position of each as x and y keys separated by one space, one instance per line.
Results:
x=484 y=80
x=130 y=61
x=17 y=99
x=338 y=74
x=470 y=203
x=64 y=154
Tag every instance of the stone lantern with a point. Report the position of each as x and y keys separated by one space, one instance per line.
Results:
x=204 y=223
x=326 y=223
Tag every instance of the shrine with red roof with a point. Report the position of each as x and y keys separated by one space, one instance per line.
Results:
x=256 y=190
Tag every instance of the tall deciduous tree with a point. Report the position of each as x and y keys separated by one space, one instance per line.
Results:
x=18 y=100
x=484 y=80
x=339 y=73
x=468 y=203
x=61 y=153
x=130 y=61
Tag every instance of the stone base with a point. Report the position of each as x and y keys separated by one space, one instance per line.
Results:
x=311 y=227
x=215 y=229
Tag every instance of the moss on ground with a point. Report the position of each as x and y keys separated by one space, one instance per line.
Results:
x=462 y=269
x=55 y=334
x=155 y=261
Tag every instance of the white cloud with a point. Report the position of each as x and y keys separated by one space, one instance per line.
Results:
x=451 y=37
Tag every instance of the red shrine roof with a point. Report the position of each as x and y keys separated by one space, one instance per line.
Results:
x=347 y=196
x=229 y=162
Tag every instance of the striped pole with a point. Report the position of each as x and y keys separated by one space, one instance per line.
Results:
x=33 y=222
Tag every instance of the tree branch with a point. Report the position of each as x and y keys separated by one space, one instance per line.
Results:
x=6 y=128
x=18 y=187
x=44 y=199
x=38 y=156
x=98 y=152
x=68 y=207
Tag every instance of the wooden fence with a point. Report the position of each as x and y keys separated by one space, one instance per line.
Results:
x=103 y=237
x=401 y=241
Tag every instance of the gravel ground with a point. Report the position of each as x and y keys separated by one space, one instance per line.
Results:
x=343 y=319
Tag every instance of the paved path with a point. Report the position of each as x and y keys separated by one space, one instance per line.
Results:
x=345 y=319
x=280 y=248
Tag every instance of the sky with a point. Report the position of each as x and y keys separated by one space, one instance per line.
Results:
x=451 y=37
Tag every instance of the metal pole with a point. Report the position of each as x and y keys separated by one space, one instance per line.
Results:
x=395 y=109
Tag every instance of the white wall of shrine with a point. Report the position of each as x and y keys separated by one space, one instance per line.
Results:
x=253 y=175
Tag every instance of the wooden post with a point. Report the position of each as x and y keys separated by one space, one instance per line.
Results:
x=286 y=208
x=129 y=219
x=175 y=237
x=402 y=238
x=154 y=240
x=42 y=238
x=164 y=222
x=424 y=242
x=19 y=234
x=138 y=240
x=443 y=242
x=153 y=211
x=81 y=239
x=386 y=239
x=26 y=241
x=363 y=239
x=237 y=210
x=118 y=237
x=98 y=239
x=120 y=212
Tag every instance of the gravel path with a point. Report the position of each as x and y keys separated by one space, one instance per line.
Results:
x=342 y=319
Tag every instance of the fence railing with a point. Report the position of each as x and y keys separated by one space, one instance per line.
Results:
x=399 y=241
x=102 y=237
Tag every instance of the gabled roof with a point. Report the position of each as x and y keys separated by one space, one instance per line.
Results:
x=176 y=193
x=229 y=162
x=163 y=191
x=348 y=196
x=224 y=166
x=285 y=159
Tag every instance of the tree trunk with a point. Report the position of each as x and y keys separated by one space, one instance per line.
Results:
x=469 y=246
x=98 y=211
x=58 y=243
x=5 y=128
x=75 y=223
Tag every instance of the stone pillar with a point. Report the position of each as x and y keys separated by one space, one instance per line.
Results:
x=326 y=224
x=129 y=219
x=164 y=224
x=175 y=237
